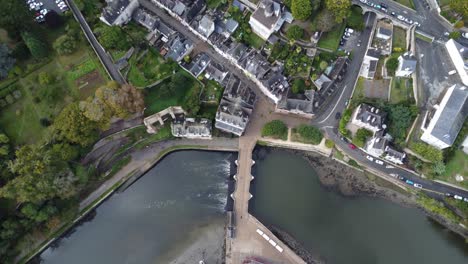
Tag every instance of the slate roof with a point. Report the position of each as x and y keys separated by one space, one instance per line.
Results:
x=339 y=67
x=256 y=64
x=178 y=47
x=199 y=64
x=452 y=116
x=216 y=72
x=408 y=63
x=113 y=9
x=304 y=104
x=373 y=53
x=395 y=153
x=385 y=31
x=322 y=82
x=371 y=115
x=268 y=13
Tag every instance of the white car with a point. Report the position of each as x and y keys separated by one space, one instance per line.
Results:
x=400 y=17
x=458 y=197
x=44 y=11
x=465 y=35
x=369 y=158
x=379 y=162
x=417 y=185
x=465 y=199
x=394 y=175
x=350 y=30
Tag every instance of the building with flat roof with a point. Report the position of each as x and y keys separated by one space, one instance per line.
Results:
x=441 y=126
x=459 y=56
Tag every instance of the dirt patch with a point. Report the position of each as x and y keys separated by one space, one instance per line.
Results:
x=377 y=88
x=88 y=83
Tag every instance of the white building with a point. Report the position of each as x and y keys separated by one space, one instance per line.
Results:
x=369 y=117
x=369 y=64
x=442 y=126
x=118 y=12
x=267 y=19
x=206 y=26
x=459 y=56
x=406 y=65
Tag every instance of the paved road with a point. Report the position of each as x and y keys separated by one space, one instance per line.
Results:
x=326 y=115
x=113 y=72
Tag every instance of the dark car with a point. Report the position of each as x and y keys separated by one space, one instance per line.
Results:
x=382 y=5
x=337 y=115
x=393 y=14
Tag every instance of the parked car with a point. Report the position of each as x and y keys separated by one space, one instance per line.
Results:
x=393 y=13
x=401 y=178
x=409 y=182
x=465 y=35
x=448 y=194
x=379 y=162
x=394 y=175
x=417 y=185
x=351 y=146
x=465 y=199
x=370 y=158
x=337 y=115
x=347 y=34
x=458 y=197
x=349 y=30
x=400 y=17
x=346 y=103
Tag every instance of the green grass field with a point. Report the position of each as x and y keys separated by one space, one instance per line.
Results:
x=458 y=164
x=402 y=90
x=399 y=38
x=331 y=40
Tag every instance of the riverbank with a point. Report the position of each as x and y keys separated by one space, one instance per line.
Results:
x=352 y=182
x=142 y=160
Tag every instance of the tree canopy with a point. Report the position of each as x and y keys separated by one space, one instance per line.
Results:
x=309 y=134
x=298 y=86
x=427 y=151
x=65 y=44
x=73 y=126
x=361 y=137
x=275 y=129
x=460 y=6
x=35 y=45
x=400 y=117
x=339 y=8
x=6 y=61
x=325 y=21
x=15 y=16
x=301 y=9
x=295 y=32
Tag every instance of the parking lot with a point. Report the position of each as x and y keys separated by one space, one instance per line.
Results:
x=348 y=43
x=42 y=7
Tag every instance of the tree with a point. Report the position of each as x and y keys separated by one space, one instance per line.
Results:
x=400 y=117
x=325 y=21
x=6 y=61
x=439 y=168
x=44 y=78
x=310 y=134
x=355 y=20
x=275 y=129
x=455 y=35
x=65 y=44
x=301 y=9
x=339 y=8
x=361 y=137
x=40 y=176
x=392 y=65
x=131 y=98
x=14 y=16
x=38 y=214
x=295 y=32
x=323 y=65
x=35 y=45
x=73 y=126
x=65 y=151
x=298 y=86
x=112 y=38
x=460 y=6
x=4 y=145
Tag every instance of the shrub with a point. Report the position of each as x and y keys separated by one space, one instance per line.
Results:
x=310 y=134
x=344 y=121
x=361 y=137
x=329 y=143
x=298 y=86
x=427 y=151
x=295 y=32
x=392 y=65
x=275 y=129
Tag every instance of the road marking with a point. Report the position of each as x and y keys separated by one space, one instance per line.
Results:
x=331 y=112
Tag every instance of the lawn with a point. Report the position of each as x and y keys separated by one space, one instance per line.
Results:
x=254 y=41
x=359 y=89
x=157 y=99
x=331 y=40
x=21 y=120
x=408 y=3
x=458 y=164
x=402 y=90
x=148 y=69
x=399 y=38
x=212 y=92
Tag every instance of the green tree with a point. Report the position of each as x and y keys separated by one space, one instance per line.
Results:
x=35 y=45
x=298 y=86
x=275 y=129
x=400 y=117
x=339 y=8
x=310 y=134
x=4 y=145
x=295 y=32
x=301 y=9
x=44 y=78
x=65 y=44
x=65 y=151
x=38 y=214
x=6 y=61
x=112 y=38
x=392 y=65
x=438 y=168
x=14 y=16
x=460 y=6
x=325 y=21
x=73 y=126
x=361 y=137
x=323 y=65
x=356 y=20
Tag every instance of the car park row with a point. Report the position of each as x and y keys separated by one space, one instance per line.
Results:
x=384 y=8
x=41 y=12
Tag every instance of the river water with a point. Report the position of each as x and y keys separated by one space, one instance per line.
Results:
x=157 y=218
x=287 y=194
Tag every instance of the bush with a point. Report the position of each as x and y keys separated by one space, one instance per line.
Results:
x=298 y=86
x=44 y=78
x=295 y=32
x=344 y=121
x=329 y=143
x=275 y=129
x=361 y=137
x=454 y=35
x=392 y=65
x=427 y=151
x=310 y=134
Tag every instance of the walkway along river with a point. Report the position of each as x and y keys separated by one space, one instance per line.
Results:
x=173 y=214
x=288 y=194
